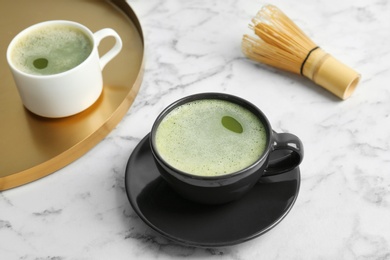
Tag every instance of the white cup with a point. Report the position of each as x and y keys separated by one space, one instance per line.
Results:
x=69 y=92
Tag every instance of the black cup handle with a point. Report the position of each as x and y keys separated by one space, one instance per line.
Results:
x=294 y=153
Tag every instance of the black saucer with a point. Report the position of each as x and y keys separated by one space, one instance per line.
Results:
x=202 y=225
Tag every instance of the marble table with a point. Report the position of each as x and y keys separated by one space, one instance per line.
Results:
x=343 y=208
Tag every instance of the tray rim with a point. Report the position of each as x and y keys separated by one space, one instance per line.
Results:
x=79 y=149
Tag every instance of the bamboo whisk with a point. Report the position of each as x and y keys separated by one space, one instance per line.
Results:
x=282 y=44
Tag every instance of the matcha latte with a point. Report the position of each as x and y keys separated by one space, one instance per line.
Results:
x=51 y=49
x=210 y=137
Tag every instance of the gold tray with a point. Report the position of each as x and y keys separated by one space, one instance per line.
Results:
x=32 y=147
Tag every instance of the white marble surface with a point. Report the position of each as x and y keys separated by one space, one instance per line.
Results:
x=343 y=209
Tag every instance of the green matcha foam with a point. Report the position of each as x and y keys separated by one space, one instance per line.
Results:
x=193 y=139
x=51 y=50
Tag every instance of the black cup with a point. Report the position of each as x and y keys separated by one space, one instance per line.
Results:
x=229 y=187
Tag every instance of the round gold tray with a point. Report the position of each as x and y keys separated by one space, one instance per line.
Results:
x=32 y=147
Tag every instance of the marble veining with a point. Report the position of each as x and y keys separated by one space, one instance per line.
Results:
x=343 y=209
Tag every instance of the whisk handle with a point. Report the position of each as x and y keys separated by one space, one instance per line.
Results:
x=329 y=73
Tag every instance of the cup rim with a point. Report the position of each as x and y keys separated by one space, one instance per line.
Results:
x=45 y=23
x=212 y=95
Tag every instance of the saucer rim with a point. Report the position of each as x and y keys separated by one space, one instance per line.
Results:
x=138 y=211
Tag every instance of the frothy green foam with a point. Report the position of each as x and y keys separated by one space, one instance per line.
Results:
x=51 y=49
x=194 y=139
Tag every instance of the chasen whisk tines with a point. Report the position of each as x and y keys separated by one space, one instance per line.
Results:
x=282 y=44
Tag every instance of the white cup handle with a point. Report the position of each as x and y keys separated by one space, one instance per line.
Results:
x=100 y=35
